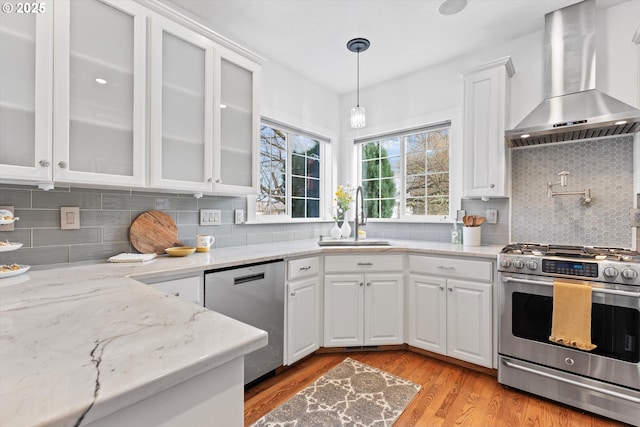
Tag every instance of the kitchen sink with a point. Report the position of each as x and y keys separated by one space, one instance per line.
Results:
x=351 y=242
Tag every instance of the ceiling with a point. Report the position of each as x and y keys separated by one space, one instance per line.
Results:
x=310 y=36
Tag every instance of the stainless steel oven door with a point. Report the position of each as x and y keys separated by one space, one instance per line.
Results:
x=525 y=324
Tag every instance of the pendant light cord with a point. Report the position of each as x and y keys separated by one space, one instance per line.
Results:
x=358 y=82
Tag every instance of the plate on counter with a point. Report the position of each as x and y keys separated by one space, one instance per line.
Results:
x=13 y=270
x=9 y=246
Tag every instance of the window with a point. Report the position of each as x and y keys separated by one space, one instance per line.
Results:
x=291 y=172
x=406 y=174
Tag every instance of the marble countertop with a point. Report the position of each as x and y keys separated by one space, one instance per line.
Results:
x=82 y=341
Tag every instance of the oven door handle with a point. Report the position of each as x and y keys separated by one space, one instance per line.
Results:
x=612 y=393
x=594 y=290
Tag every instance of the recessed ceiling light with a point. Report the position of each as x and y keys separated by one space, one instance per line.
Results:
x=101 y=81
x=451 y=7
x=526 y=135
x=620 y=122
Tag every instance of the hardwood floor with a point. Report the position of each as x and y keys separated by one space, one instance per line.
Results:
x=450 y=394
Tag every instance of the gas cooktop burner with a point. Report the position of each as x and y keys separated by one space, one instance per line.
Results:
x=589 y=252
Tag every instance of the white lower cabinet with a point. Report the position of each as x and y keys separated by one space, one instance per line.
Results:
x=365 y=307
x=450 y=307
x=302 y=332
x=188 y=288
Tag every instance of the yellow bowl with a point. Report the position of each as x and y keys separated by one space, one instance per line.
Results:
x=180 y=251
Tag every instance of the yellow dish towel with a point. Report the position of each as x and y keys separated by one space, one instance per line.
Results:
x=571 y=322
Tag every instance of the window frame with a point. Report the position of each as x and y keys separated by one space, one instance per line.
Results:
x=325 y=178
x=454 y=168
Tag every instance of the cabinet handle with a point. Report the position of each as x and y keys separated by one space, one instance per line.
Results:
x=365 y=263
x=308 y=267
x=361 y=283
x=368 y=283
x=444 y=267
x=62 y=164
x=44 y=163
x=293 y=294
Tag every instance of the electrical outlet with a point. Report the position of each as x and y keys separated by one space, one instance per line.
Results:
x=634 y=218
x=460 y=213
x=238 y=216
x=492 y=216
x=210 y=217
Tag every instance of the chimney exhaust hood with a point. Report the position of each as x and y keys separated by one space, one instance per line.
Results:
x=573 y=108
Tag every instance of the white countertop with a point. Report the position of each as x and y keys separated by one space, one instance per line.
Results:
x=91 y=336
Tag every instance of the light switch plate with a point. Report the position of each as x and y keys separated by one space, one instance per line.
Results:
x=69 y=218
x=492 y=216
x=460 y=213
x=210 y=217
x=238 y=216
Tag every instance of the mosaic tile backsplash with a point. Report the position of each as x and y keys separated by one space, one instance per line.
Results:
x=604 y=166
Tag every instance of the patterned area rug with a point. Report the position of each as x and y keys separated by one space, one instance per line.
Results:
x=351 y=394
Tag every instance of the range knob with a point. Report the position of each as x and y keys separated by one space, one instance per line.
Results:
x=628 y=273
x=610 y=272
x=518 y=264
x=506 y=263
x=532 y=265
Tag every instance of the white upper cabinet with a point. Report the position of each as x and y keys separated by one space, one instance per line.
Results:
x=182 y=78
x=486 y=158
x=237 y=136
x=26 y=73
x=100 y=87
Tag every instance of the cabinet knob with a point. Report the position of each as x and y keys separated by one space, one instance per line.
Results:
x=293 y=294
x=441 y=288
x=450 y=289
x=218 y=181
x=492 y=185
x=44 y=163
x=210 y=179
x=361 y=284
x=177 y=294
x=368 y=283
x=62 y=164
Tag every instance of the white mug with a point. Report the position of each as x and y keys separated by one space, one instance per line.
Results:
x=204 y=242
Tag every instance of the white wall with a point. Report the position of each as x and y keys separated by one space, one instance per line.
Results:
x=411 y=99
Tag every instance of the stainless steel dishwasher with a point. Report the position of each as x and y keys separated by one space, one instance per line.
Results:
x=252 y=294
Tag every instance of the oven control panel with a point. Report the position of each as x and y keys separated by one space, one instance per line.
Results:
x=571 y=268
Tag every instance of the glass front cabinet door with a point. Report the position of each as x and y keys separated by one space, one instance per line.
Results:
x=237 y=136
x=99 y=102
x=26 y=72
x=181 y=108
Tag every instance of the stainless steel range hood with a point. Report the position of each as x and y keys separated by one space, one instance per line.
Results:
x=573 y=108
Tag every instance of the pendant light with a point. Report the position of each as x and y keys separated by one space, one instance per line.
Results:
x=357 y=113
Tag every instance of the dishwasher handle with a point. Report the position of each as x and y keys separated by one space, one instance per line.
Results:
x=249 y=278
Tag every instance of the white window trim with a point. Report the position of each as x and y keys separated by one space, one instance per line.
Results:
x=455 y=161
x=326 y=181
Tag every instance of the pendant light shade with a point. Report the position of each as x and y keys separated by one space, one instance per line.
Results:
x=357 y=113
x=357 y=117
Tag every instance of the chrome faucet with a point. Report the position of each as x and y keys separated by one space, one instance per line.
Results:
x=360 y=218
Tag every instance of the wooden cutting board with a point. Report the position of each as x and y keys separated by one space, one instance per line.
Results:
x=153 y=232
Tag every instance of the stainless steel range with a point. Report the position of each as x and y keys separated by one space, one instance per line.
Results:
x=605 y=380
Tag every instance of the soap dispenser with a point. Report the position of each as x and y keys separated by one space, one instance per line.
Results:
x=455 y=234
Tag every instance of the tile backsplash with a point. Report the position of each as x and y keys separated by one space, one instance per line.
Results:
x=106 y=215
x=105 y=218
x=604 y=166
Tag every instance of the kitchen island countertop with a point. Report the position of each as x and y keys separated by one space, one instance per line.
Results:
x=80 y=342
